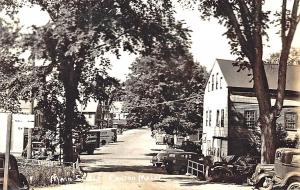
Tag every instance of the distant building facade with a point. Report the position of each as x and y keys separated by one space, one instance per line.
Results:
x=104 y=116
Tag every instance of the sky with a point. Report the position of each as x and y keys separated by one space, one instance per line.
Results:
x=208 y=42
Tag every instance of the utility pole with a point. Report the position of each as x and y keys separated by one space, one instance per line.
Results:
x=29 y=141
x=7 y=152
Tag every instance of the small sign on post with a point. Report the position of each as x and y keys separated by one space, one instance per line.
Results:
x=7 y=152
x=23 y=121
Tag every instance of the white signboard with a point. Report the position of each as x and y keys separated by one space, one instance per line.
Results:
x=17 y=135
x=23 y=121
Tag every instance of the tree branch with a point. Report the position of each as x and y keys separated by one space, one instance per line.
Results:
x=234 y=21
x=260 y=79
x=246 y=19
x=286 y=46
x=283 y=21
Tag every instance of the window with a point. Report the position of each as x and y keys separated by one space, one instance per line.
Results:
x=290 y=120
x=222 y=117
x=208 y=86
x=221 y=80
x=206 y=116
x=250 y=118
x=217 y=118
x=296 y=159
x=217 y=82
x=1 y=163
x=209 y=118
x=212 y=82
x=38 y=119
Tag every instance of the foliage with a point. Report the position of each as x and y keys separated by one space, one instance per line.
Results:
x=294 y=57
x=74 y=48
x=281 y=136
x=246 y=23
x=40 y=176
x=111 y=91
x=9 y=60
x=165 y=93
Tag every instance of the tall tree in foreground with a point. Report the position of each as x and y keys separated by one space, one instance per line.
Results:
x=165 y=93
x=76 y=42
x=247 y=22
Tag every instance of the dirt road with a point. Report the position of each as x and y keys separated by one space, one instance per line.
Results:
x=125 y=165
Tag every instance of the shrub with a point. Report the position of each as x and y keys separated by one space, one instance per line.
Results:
x=38 y=175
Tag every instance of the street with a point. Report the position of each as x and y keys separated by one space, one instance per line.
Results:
x=126 y=165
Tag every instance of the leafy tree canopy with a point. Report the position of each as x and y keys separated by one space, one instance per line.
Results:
x=166 y=94
x=294 y=57
x=75 y=45
x=247 y=22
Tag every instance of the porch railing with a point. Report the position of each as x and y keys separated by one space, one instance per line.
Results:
x=195 y=169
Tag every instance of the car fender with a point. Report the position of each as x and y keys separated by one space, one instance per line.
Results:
x=261 y=176
x=291 y=175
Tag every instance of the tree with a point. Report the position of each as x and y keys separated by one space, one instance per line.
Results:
x=9 y=33
x=109 y=91
x=165 y=93
x=294 y=57
x=75 y=43
x=247 y=22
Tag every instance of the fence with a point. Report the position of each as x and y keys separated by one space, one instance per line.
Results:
x=196 y=169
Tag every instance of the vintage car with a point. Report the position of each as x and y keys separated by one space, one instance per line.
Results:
x=178 y=161
x=287 y=168
x=159 y=159
x=233 y=168
x=262 y=176
x=16 y=180
x=284 y=174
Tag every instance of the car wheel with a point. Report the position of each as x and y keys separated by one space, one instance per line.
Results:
x=220 y=175
x=182 y=170
x=294 y=186
x=90 y=151
x=23 y=182
x=264 y=184
x=103 y=142
x=201 y=177
x=169 y=167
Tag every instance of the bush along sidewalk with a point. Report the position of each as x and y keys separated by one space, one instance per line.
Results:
x=41 y=176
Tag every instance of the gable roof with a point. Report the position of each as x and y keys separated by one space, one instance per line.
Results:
x=241 y=79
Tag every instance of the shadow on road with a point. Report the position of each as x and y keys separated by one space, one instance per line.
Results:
x=199 y=183
x=186 y=181
x=151 y=154
x=96 y=153
x=178 y=178
x=120 y=168
x=157 y=149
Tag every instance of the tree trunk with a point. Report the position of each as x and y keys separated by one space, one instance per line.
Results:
x=71 y=93
x=268 y=141
x=69 y=123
